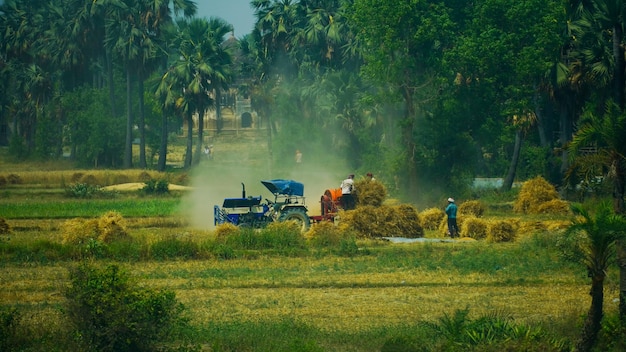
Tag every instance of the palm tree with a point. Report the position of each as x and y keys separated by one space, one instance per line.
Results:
x=605 y=134
x=591 y=241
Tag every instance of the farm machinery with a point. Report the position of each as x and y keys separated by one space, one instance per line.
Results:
x=251 y=211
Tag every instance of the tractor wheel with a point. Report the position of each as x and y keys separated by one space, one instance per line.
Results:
x=298 y=215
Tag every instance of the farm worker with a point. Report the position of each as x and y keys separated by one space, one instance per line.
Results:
x=453 y=229
x=347 y=193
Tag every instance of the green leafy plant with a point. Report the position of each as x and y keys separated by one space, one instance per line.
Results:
x=111 y=313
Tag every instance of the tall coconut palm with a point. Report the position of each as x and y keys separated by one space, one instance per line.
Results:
x=591 y=242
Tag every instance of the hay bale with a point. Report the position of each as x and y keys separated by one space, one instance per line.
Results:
x=144 y=176
x=89 y=179
x=5 y=229
x=112 y=227
x=370 y=192
x=472 y=208
x=474 y=227
x=76 y=177
x=383 y=221
x=79 y=231
x=431 y=218
x=225 y=230
x=501 y=231
x=532 y=194
x=554 y=206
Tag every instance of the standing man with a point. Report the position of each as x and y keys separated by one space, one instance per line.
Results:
x=453 y=229
x=347 y=193
x=298 y=157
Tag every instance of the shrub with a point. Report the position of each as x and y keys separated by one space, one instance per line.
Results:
x=156 y=187
x=111 y=313
x=472 y=208
x=532 y=194
x=10 y=339
x=474 y=227
x=82 y=190
x=501 y=231
x=431 y=218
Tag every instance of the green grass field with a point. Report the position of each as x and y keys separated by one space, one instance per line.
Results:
x=519 y=296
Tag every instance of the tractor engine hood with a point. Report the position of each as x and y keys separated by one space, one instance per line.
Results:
x=284 y=187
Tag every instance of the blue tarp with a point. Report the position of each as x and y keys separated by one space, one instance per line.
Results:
x=285 y=187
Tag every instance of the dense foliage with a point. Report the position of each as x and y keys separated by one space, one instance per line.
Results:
x=428 y=94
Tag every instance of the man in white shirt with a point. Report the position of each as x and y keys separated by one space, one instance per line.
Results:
x=347 y=193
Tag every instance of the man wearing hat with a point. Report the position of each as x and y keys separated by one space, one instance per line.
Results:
x=453 y=229
x=347 y=193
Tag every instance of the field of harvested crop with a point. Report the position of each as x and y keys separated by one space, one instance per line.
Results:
x=263 y=291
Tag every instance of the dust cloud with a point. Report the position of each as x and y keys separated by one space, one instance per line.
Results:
x=222 y=177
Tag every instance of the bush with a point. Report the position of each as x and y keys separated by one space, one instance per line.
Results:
x=156 y=187
x=111 y=313
x=82 y=190
x=281 y=235
x=532 y=194
x=430 y=218
x=10 y=339
x=472 y=208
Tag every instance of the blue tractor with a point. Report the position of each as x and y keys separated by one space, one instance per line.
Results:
x=288 y=204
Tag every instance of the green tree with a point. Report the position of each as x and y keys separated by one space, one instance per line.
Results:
x=591 y=241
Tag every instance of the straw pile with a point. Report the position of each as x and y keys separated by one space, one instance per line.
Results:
x=474 y=227
x=370 y=192
x=538 y=196
x=5 y=229
x=431 y=217
x=384 y=221
x=472 y=208
x=108 y=228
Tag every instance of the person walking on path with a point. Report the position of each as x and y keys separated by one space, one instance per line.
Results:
x=453 y=229
x=347 y=193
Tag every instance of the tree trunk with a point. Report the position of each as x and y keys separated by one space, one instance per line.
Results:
x=142 y=124
x=189 y=151
x=621 y=262
x=218 y=111
x=408 y=141
x=618 y=71
x=128 y=145
x=198 y=153
x=593 y=321
x=163 y=146
x=507 y=184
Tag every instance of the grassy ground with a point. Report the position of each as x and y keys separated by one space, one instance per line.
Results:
x=317 y=300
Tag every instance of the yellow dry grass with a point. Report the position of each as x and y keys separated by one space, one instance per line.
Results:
x=60 y=178
x=339 y=300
